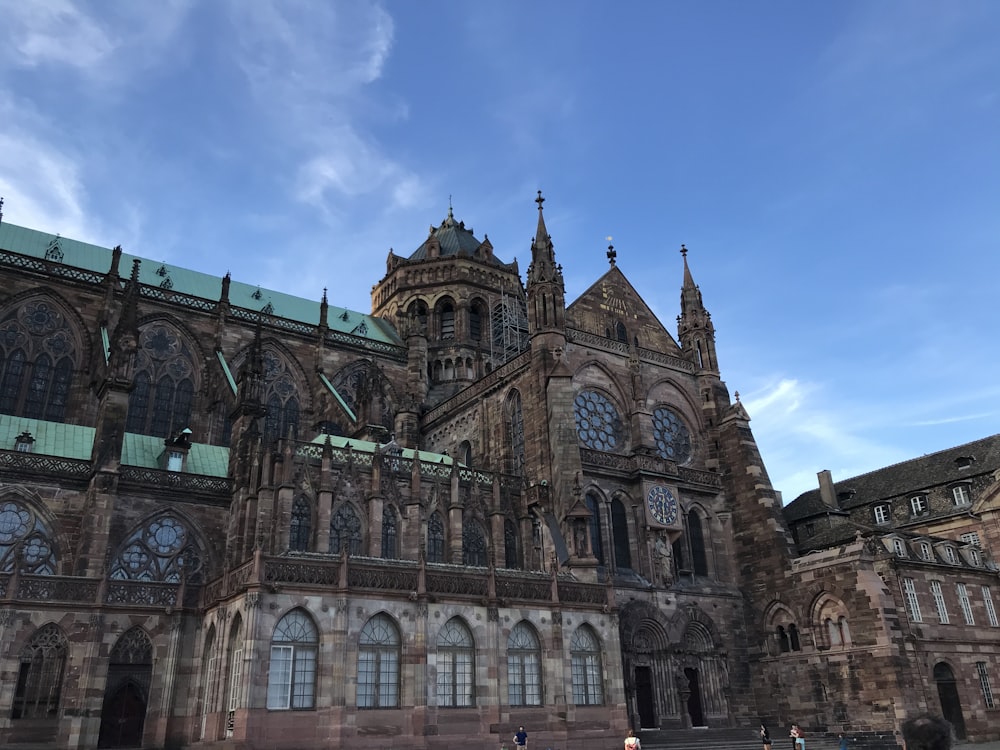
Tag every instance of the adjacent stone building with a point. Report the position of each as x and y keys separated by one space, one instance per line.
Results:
x=234 y=517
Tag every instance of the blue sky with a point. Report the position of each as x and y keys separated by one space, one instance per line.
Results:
x=834 y=169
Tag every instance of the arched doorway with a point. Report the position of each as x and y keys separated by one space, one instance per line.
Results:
x=951 y=704
x=694 y=698
x=126 y=694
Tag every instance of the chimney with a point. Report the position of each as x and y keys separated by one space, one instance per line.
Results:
x=826 y=493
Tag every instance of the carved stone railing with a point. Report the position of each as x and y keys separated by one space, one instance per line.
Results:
x=53 y=466
x=359 y=342
x=176 y=298
x=142 y=593
x=188 y=483
x=80 y=590
x=49 y=268
x=56 y=589
x=619 y=347
x=402 y=577
x=477 y=389
x=637 y=463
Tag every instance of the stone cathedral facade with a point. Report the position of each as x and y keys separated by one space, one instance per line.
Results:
x=231 y=517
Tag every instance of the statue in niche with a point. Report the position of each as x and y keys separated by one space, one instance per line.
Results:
x=664 y=559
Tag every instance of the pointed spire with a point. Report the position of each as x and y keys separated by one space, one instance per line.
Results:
x=543 y=259
x=324 y=310
x=541 y=234
x=688 y=279
x=694 y=325
x=129 y=319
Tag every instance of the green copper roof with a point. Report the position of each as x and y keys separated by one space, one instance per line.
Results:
x=96 y=259
x=146 y=451
x=51 y=438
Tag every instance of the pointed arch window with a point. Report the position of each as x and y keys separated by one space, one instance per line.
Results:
x=524 y=667
x=378 y=663
x=510 y=545
x=390 y=533
x=435 y=538
x=162 y=550
x=455 y=665
x=38 y=356
x=345 y=531
x=234 y=654
x=25 y=541
x=588 y=674
x=696 y=537
x=291 y=679
x=514 y=423
x=620 y=333
x=619 y=531
x=162 y=397
x=474 y=548
x=281 y=398
x=596 y=543
x=40 y=675
x=300 y=526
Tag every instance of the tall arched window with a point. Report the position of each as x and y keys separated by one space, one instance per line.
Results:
x=345 y=531
x=390 y=533
x=40 y=675
x=588 y=675
x=163 y=394
x=510 y=545
x=281 y=397
x=619 y=530
x=596 y=545
x=696 y=536
x=477 y=314
x=234 y=664
x=378 y=663
x=25 y=540
x=291 y=679
x=474 y=547
x=446 y=318
x=300 y=525
x=435 y=538
x=524 y=667
x=455 y=665
x=514 y=423
x=164 y=549
x=38 y=356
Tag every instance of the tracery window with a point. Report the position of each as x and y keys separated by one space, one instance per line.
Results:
x=300 y=526
x=390 y=533
x=510 y=544
x=514 y=422
x=696 y=537
x=671 y=434
x=25 y=541
x=163 y=549
x=455 y=665
x=291 y=680
x=164 y=384
x=345 y=531
x=378 y=663
x=40 y=675
x=281 y=398
x=596 y=545
x=524 y=667
x=588 y=675
x=619 y=533
x=367 y=392
x=598 y=425
x=435 y=538
x=474 y=547
x=38 y=356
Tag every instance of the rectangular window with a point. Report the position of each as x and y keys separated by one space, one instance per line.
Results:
x=279 y=683
x=912 y=604
x=899 y=548
x=965 y=604
x=961 y=494
x=881 y=514
x=991 y=613
x=918 y=505
x=984 y=683
x=972 y=538
x=942 y=608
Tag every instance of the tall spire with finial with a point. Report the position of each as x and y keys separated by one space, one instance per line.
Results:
x=543 y=258
x=695 y=330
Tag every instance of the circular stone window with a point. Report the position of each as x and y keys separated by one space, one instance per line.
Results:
x=673 y=440
x=597 y=422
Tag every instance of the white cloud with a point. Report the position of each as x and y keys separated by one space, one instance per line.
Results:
x=54 y=31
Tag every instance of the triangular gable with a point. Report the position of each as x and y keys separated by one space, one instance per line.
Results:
x=612 y=299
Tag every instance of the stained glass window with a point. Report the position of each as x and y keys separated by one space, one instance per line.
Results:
x=474 y=549
x=300 y=526
x=378 y=663
x=673 y=440
x=514 y=422
x=25 y=541
x=40 y=676
x=161 y=550
x=162 y=397
x=588 y=675
x=390 y=533
x=455 y=665
x=510 y=544
x=435 y=538
x=598 y=425
x=345 y=531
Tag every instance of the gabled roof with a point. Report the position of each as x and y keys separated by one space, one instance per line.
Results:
x=912 y=476
x=96 y=259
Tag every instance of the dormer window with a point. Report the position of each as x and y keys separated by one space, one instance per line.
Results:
x=176 y=450
x=960 y=494
x=975 y=559
x=881 y=514
x=24 y=442
x=175 y=461
x=918 y=505
x=964 y=462
x=926 y=553
x=899 y=548
x=950 y=555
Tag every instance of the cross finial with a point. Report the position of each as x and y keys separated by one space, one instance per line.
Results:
x=539 y=200
x=450 y=214
x=684 y=251
x=737 y=394
x=611 y=253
